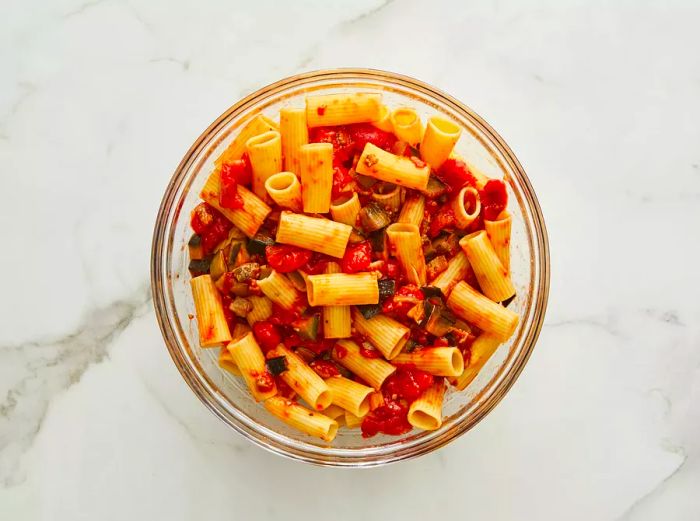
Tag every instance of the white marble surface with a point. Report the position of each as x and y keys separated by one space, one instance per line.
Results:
x=99 y=100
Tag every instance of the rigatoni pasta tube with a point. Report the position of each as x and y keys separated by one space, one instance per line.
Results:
x=258 y=125
x=262 y=309
x=342 y=109
x=336 y=319
x=439 y=361
x=349 y=395
x=316 y=166
x=250 y=361
x=303 y=379
x=294 y=134
x=386 y=334
x=335 y=412
x=211 y=321
x=426 y=412
x=342 y=289
x=265 y=153
x=346 y=210
x=384 y=120
x=372 y=370
x=412 y=210
x=247 y=219
x=499 y=235
x=301 y=418
x=484 y=313
x=406 y=245
x=492 y=276
x=439 y=139
x=407 y=125
x=385 y=166
x=225 y=359
x=466 y=206
x=482 y=349
x=313 y=233
x=390 y=199
x=284 y=189
x=280 y=290
x=457 y=269
x=352 y=421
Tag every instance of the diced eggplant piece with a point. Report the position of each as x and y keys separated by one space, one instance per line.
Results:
x=200 y=266
x=447 y=244
x=438 y=320
x=387 y=287
x=241 y=307
x=355 y=237
x=365 y=181
x=195 y=246
x=373 y=217
x=234 y=249
x=369 y=310
x=435 y=188
x=436 y=266
x=247 y=271
x=432 y=291
x=378 y=240
x=277 y=365
x=307 y=327
x=260 y=241
x=410 y=346
x=240 y=289
x=218 y=265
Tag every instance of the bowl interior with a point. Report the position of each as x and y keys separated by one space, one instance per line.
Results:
x=226 y=394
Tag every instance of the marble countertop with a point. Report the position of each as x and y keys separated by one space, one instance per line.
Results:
x=100 y=99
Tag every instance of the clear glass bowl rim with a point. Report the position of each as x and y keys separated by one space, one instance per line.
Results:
x=289 y=447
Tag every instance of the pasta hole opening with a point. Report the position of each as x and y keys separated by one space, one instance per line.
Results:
x=404 y=117
x=332 y=431
x=263 y=139
x=386 y=188
x=471 y=202
x=444 y=125
x=281 y=181
x=343 y=199
x=457 y=362
x=424 y=420
x=363 y=408
x=323 y=400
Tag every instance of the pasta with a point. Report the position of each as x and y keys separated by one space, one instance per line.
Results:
x=485 y=314
x=374 y=371
x=310 y=422
x=304 y=380
x=426 y=411
x=336 y=319
x=440 y=137
x=280 y=290
x=405 y=242
x=316 y=166
x=313 y=233
x=345 y=211
x=412 y=210
x=499 y=235
x=385 y=333
x=213 y=329
x=407 y=125
x=256 y=126
x=351 y=396
x=466 y=206
x=439 y=361
x=248 y=357
x=342 y=289
x=482 y=349
x=346 y=259
x=294 y=133
x=342 y=109
x=385 y=166
x=492 y=276
x=265 y=152
x=247 y=219
x=285 y=190
x=457 y=269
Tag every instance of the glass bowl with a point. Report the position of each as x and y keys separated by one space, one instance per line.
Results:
x=225 y=395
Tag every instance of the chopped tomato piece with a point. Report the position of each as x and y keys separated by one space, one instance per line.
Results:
x=406 y=383
x=285 y=258
x=390 y=418
x=202 y=217
x=324 y=368
x=341 y=179
x=228 y=195
x=363 y=133
x=343 y=146
x=317 y=264
x=442 y=220
x=264 y=382
x=494 y=199
x=402 y=301
x=267 y=334
x=357 y=257
x=455 y=174
x=368 y=351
